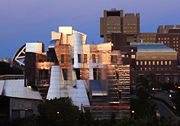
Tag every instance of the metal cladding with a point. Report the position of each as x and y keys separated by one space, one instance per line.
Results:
x=77 y=50
x=55 y=81
x=86 y=73
x=20 y=91
x=34 y=47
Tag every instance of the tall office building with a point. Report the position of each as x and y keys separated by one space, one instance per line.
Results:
x=115 y=22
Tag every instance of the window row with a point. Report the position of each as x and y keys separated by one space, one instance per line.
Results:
x=153 y=62
x=167 y=38
x=154 y=69
x=113 y=58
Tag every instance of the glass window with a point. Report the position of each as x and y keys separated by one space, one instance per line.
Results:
x=133 y=56
x=153 y=62
x=85 y=58
x=62 y=58
x=169 y=62
x=94 y=58
x=137 y=62
x=157 y=62
x=165 y=62
x=79 y=58
x=141 y=62
x=122 y=56
x=149 y=62
x=114 y=59
x=161 y=62
x=145 y=62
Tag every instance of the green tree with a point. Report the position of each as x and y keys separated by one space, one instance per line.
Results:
x=59 y=112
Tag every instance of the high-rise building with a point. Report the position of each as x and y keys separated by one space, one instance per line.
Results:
x=115 y=22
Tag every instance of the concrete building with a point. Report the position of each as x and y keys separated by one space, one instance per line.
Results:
x=115 y=22
x=157 y=59
x=18 y=102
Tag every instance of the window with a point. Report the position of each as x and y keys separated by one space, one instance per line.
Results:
x=122 y=56
x=137 y=62
x=62 y=58
x=153 y=62
x=161 y=62
x=65 y=74
x=141 y=62
x=145 y=62
x=127 y=55
x=149 y=62
x=157 y=62
x=28 y=113
x=132 y=50
x=133 y=56
x=165 y=62
x=167 y=79
x=114 y=59
x=169 y=62
x=96 y=74
x=94 y=58
x=85 y=58
x=15 y=114
x=79 y=58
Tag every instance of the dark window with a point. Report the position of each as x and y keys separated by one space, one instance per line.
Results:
x=79 y=58
x=28 y=113
x=77 y=73
x=85 y=58
x=65 y=74
x=15 y=114
x=96 y=74
x=114 y=59
x=94 y=58
x=73 y=61
x=62 y=58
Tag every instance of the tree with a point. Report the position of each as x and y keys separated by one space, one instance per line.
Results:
x=59 y=112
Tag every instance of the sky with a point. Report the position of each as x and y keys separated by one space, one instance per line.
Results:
x=24 y=21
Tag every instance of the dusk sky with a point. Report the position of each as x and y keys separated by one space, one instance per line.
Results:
x=24 y=21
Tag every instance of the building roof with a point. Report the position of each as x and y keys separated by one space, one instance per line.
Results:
x=152 y=47
x=16 y=89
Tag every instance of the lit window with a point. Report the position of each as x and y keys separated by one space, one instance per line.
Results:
x=145 y=62
x=169 y=62
x=127 y=56
x=137 y=62
x=157 y=62
x=122 y=56
x=141 y=62
x=132 y=50
x=149 y=69
x=165 y=62
x=161 y=62
x=153 y=62
x=149 y=62
x=133 y=56
x=145 y=69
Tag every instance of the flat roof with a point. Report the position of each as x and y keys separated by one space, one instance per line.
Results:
x=152 y=47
